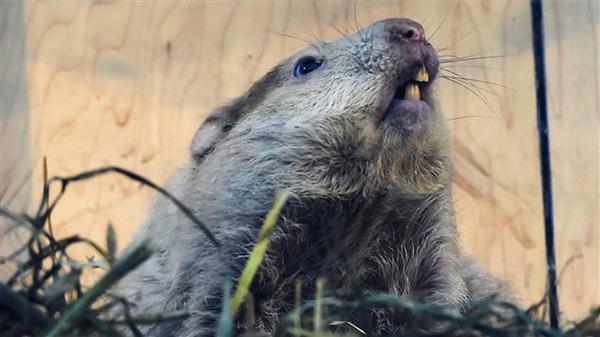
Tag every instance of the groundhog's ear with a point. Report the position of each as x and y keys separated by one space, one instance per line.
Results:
x=214 y=128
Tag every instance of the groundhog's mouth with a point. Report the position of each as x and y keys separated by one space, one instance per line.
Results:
x=408 y=101
x=412 y=90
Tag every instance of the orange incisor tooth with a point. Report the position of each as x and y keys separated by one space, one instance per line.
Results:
x=422 y=75
x=412 y=92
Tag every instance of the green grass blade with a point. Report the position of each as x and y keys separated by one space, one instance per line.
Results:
x=225 y=327
x=258 y=253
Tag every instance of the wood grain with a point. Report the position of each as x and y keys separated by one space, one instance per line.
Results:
x=127 y=83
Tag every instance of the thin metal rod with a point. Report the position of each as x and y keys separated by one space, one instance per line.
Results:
x=537 y=23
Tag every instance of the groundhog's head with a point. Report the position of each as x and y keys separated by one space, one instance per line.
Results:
x=345 y=116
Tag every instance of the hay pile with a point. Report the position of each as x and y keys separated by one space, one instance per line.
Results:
x=44 y=296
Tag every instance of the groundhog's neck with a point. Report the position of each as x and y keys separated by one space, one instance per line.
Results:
x=349 y=241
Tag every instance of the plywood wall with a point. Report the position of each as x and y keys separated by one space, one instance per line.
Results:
x=127 y=83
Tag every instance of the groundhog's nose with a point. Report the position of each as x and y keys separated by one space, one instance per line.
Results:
x=405 y=29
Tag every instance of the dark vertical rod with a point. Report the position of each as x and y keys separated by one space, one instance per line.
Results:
x=537 y=23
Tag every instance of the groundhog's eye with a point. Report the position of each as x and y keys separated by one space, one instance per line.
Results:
x=306 y=65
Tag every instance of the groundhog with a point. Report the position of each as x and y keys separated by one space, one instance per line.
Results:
x=352 y=130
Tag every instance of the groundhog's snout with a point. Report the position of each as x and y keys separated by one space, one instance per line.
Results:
x=409 y=39
x=406 y=101
x=406 y=30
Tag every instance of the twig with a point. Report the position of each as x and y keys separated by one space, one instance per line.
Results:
x=45 y=165
x=42 y=215
x=22 y=309
x=122 y=266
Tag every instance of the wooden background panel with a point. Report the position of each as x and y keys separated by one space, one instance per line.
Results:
x=572 y=40
x=127 y=83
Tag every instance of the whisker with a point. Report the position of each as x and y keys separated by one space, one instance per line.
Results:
x=468 y=79
x=356 y=23
x=342 y=33
x=452 y=44
x=284 y=34
x=464 y=59
x=477 y=80
x=430 y=38
x=291 y=36
x=456 y=75
x=465 y=117
x=469 y=66
x=480 y=53
x=307 y=27
x=352 y=43
x=473 y=85
x=472 y=91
